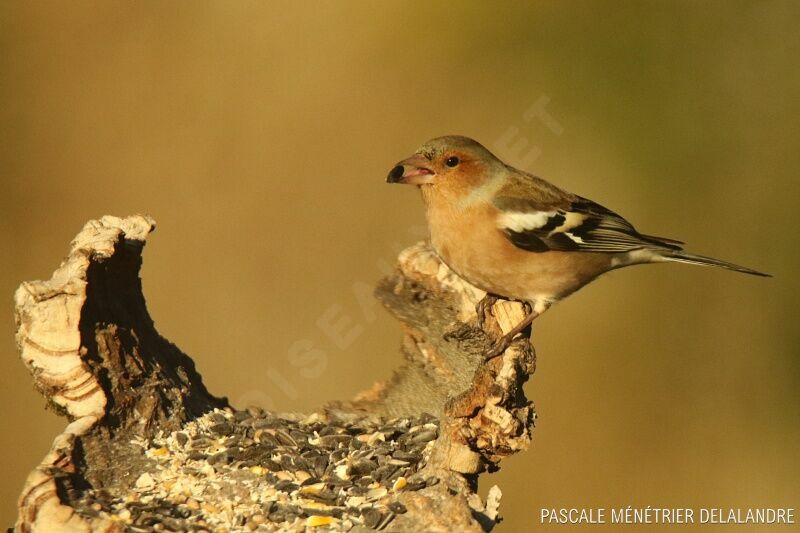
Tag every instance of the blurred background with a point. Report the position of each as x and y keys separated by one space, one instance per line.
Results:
x=259 y=135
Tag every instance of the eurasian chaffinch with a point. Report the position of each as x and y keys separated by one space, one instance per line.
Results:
x=516 y=236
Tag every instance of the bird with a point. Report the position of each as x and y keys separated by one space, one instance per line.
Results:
x=519 y=237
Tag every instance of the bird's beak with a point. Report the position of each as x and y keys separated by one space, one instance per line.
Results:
x=413 y=171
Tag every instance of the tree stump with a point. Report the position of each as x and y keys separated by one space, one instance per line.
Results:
x=148 y=447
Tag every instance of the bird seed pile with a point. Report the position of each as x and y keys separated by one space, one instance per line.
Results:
x=253 y=471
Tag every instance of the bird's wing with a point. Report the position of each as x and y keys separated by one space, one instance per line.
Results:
x=564 y=222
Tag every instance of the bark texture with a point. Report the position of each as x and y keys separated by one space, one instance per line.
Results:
x=93 y=352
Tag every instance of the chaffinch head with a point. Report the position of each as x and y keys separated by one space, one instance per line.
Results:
x=517 y=236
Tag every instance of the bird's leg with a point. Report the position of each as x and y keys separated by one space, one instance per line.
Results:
x=504 y=341
x=483 y=307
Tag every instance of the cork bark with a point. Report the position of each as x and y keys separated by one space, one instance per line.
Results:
x=93 y=352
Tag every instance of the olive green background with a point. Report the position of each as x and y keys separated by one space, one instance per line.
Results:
x=259 y=134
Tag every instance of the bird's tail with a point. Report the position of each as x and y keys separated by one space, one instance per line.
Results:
x=679 y=256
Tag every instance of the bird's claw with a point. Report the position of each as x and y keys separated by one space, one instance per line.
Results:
x=497 y=349
x=484 y=307
x=501 y=345
x=505 y=341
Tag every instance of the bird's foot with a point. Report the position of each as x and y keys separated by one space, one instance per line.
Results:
x=497 y=348
x=505 y=341
x=484 y=307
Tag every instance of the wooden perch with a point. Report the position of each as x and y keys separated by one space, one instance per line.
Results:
x=149 y=448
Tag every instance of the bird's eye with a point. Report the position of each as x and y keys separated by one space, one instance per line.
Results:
x=452 y=161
